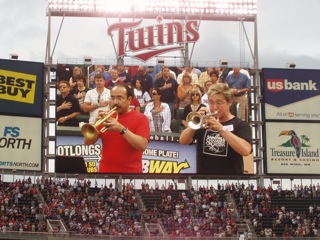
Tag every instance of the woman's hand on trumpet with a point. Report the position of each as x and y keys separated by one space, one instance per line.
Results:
x=211 y=120
x=213 y=123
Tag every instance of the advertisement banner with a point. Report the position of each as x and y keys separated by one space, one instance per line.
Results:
x=20 y=143
x=291 y=94
x=21 y=88
x=162 y=155
x=293 y=148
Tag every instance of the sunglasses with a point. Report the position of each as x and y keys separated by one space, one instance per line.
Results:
x=195 y=94
x=154 y=93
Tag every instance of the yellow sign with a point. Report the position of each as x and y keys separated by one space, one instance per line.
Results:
x=18 y=87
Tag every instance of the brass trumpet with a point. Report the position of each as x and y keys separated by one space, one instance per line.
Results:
x=196 y=121
x=90 y=131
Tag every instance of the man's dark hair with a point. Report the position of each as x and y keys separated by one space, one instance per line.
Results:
x=99 y=75
x=81 y=76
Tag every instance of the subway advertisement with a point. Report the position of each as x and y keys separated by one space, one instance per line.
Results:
x=164 y=157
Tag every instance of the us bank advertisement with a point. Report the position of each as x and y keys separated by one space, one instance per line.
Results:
x=20 y=143
x=291 y=94
x=293 y=148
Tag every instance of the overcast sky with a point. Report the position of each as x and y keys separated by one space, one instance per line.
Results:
x=288 y=31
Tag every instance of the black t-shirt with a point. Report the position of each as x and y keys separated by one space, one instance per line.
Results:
x=125 y=77
x=168 y=94
x=64 y=112
x=215 y=155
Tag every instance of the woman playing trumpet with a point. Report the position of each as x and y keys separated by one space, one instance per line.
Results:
x=226 y=138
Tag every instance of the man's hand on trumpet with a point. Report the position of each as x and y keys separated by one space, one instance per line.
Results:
x=111 y=124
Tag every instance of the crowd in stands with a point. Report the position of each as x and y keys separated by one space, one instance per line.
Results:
x=106 y=210
x=87 y=210
x=158 y=92
x=259 y=205
x=19 y=205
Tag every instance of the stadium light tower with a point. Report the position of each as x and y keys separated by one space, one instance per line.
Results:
x=212 y=10
x=228 y=10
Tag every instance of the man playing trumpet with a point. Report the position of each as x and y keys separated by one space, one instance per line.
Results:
x=124 y=138
x=224 y=139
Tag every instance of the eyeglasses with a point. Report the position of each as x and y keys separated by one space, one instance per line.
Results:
x=154 y=93
x=118 y=98
x=62 y=86
x=218 y=103
x=195 y=94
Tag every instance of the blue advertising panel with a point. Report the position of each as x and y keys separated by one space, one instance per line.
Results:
x=21 y=88
x=291 y=94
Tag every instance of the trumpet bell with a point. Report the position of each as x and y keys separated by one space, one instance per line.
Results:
x=89 y=131
x=194 y=120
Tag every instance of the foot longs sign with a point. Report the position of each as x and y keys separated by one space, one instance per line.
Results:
x=153 y=40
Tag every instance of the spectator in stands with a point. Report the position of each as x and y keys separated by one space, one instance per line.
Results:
x=80 y=90
x=168 y=86
x=204 y=76
x=240 y=84
x=64 y=72
x=96 y=99
x=194 y=106
x=68 y=107
x=126 y=138
x=159 y=74
x=99 y=69
x=204 y=97
x=123 y=75
x=134 y=103
x=194 y=76
x=143 y=77
x=158 y=113
x=183 y=91
x=142 y=95
x=76 y=72
x=113 y=80
x=232 y=135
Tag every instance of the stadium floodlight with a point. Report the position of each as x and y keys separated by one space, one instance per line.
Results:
x=14 y=56
x=223 y=63
x=87 y=60
x=160 y=61
x=226 y=10
x=291 y=65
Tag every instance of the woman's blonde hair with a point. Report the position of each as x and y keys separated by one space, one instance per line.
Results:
x=195 y=91
x=221 y=88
